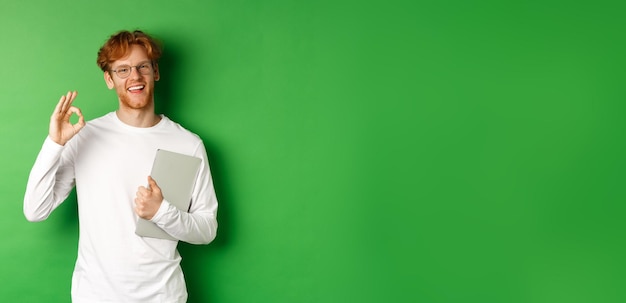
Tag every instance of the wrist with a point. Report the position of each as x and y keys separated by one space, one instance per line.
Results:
x=56 y=141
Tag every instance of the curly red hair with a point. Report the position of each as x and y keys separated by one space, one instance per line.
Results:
x=119 y=45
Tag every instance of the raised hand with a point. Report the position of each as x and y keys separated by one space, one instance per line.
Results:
x=148 y=200
x=61 y=129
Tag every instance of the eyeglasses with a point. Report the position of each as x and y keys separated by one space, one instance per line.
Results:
x=124 y=71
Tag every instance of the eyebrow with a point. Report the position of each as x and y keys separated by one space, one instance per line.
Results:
x=140 y=63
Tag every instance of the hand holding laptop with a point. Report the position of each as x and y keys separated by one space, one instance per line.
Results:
x=148 y=200
x=176 y=175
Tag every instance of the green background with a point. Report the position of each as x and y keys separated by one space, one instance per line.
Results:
x=363 y=151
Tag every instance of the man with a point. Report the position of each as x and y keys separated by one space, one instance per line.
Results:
x=109 y=159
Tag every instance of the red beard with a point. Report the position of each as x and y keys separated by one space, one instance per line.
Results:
x=136 y=102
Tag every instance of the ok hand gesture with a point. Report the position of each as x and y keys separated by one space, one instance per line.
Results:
x=61 y=129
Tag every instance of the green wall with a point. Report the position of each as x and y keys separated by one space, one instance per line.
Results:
x=363 y=151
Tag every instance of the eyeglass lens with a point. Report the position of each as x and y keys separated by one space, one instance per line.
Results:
x=124 y=71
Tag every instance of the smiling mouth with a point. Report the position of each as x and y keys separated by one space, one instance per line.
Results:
x=136 y=88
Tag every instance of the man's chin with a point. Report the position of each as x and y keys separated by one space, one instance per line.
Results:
x=135 y=103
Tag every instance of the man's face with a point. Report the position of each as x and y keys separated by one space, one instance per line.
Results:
x=136 y=91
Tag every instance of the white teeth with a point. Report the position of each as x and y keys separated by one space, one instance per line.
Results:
x=136 y=87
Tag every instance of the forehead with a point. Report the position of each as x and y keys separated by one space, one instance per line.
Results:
x=136 y=54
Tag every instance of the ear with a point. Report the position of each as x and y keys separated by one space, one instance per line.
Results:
x=156 y=72
x=108 y=80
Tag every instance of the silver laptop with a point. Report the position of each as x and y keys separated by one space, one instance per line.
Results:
x=176 y=175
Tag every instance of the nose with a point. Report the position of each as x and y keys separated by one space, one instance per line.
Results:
x=134 y=73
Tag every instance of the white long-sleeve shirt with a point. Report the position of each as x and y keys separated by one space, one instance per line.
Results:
x=107 y=161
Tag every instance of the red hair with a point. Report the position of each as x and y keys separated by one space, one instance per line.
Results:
x=119 y=45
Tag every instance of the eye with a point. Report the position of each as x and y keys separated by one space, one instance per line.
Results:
x=123 y=69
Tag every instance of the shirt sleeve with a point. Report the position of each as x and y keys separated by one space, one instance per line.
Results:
x=199 y=225
x=50 y=181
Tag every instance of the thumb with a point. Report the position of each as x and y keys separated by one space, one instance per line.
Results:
x=153 y=185
x=81 y=119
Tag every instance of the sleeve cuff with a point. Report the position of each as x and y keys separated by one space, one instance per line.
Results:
x=163 y=209
x=49 y=144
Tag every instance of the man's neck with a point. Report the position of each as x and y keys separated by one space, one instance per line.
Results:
x=138 y=118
